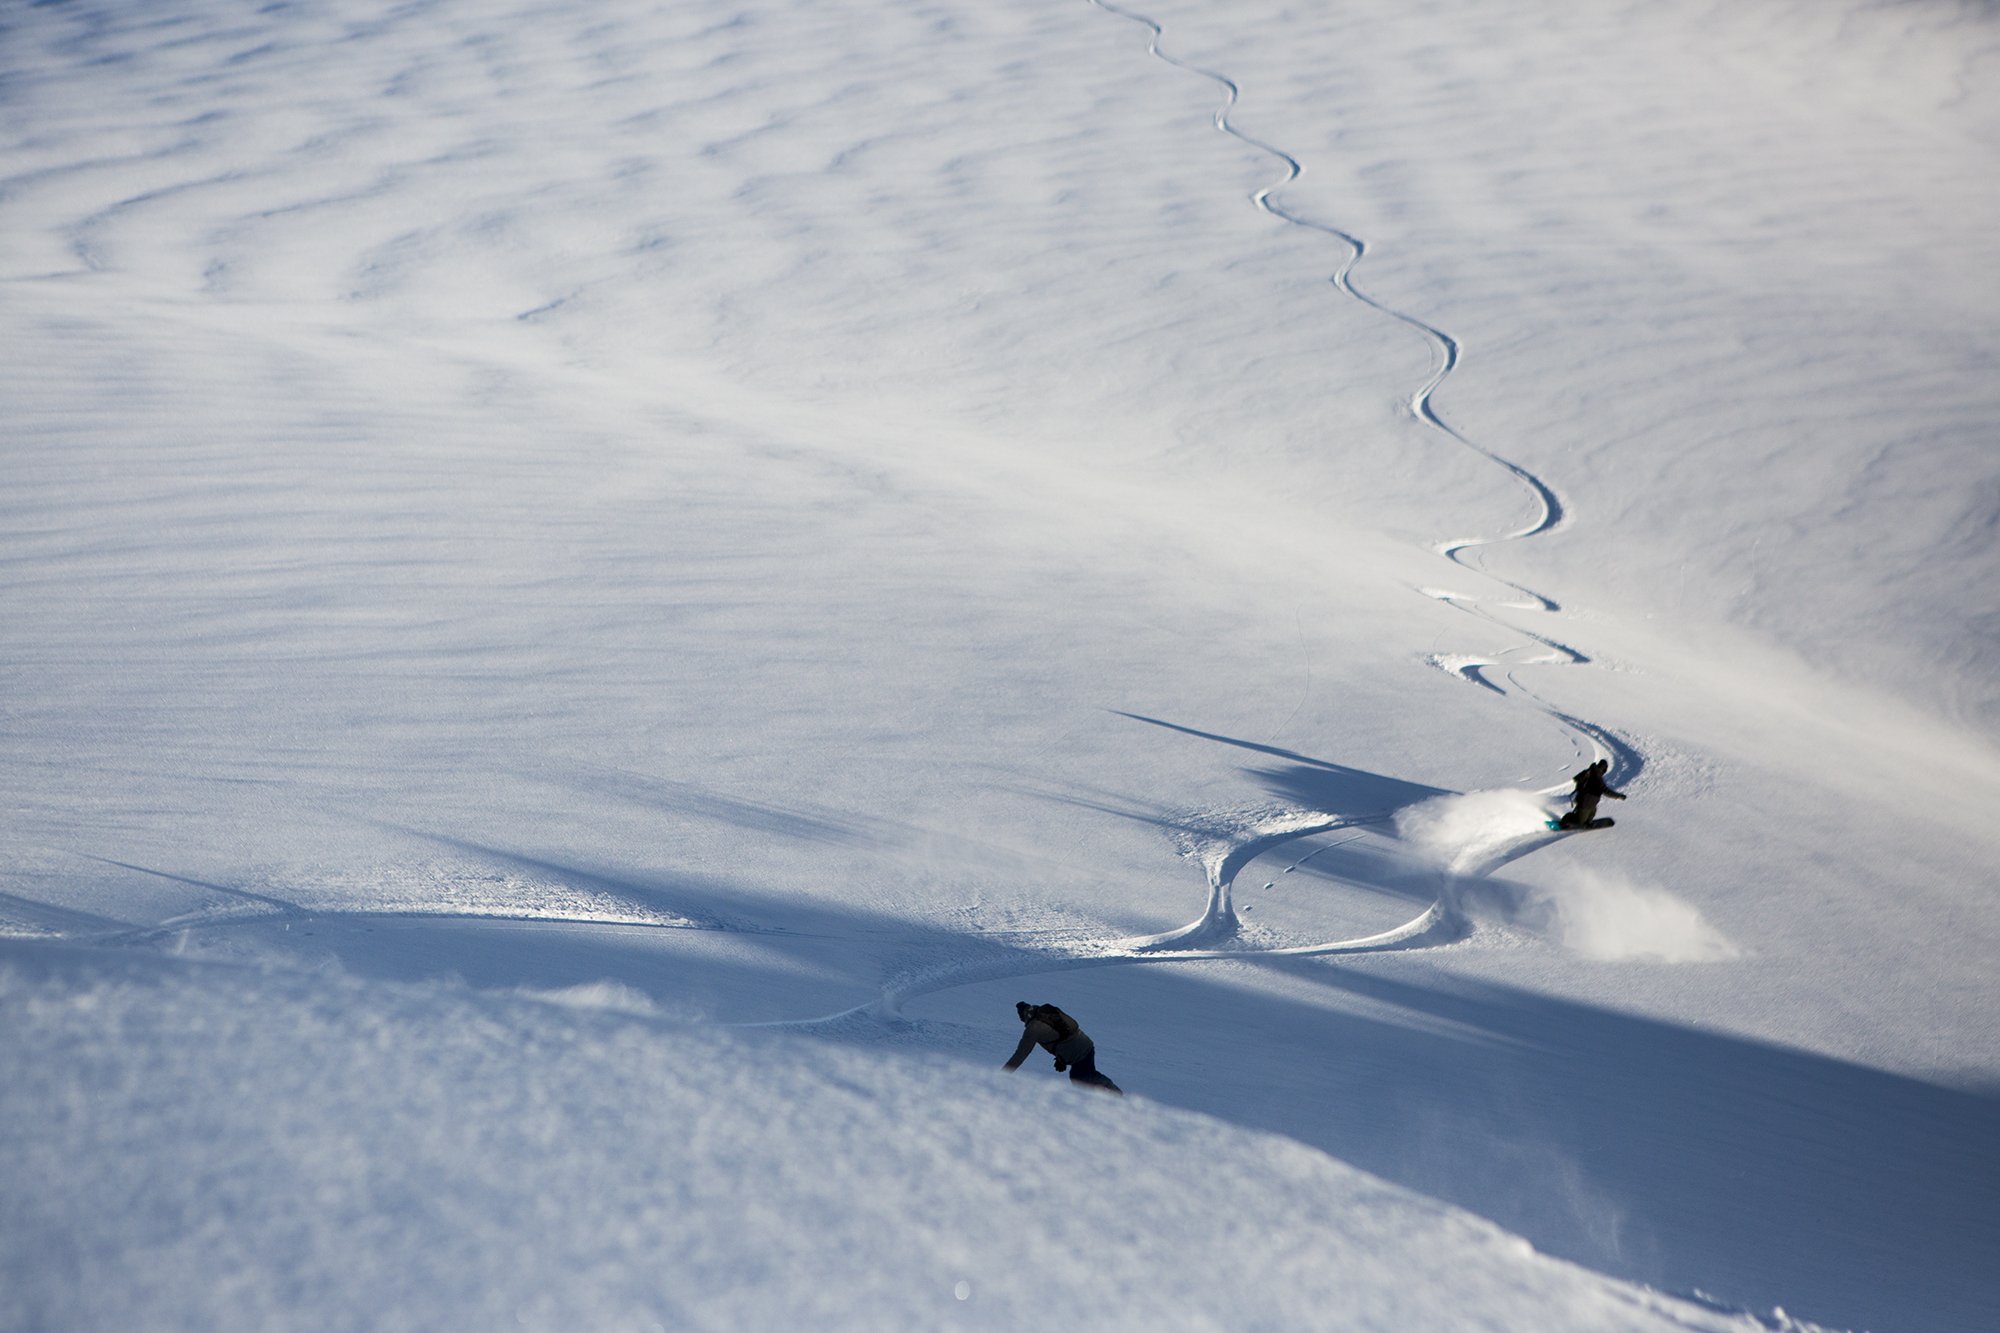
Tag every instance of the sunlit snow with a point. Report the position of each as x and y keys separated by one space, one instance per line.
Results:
x=593 y=592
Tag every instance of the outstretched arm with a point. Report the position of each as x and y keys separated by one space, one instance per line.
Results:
x=1021 y=1051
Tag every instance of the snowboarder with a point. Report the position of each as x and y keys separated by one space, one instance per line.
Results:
x=1051 y=1028
x=1590 y=789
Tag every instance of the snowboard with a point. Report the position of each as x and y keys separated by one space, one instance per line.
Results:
x=1565 y=825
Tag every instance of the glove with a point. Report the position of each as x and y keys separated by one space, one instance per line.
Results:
x=1061 y=1065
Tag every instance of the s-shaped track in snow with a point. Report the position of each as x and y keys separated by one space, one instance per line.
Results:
x=1547 y=513
x=1216 y=925
x=1199 y=940
x=1209 y=936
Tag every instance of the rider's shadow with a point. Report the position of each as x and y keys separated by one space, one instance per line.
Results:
x=1316 y=784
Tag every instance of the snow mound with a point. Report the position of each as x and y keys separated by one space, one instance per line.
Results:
x=424 y=1157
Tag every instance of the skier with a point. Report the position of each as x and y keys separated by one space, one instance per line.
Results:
x=1590 y=788
x=1051 y=1028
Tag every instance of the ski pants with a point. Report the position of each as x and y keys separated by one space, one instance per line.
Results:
x=1084 y=1071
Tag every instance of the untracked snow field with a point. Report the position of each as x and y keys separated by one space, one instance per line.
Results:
x=590 y=593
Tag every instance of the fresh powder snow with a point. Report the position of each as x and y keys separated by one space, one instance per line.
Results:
x=592 y=593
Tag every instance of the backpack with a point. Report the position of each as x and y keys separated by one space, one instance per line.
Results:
x=1065 y=1026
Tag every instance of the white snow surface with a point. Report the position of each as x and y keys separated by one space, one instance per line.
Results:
x=591 y=593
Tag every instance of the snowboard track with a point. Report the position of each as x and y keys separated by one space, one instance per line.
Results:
x=1211 y=936
x=1548 y=511
x=1207 y=937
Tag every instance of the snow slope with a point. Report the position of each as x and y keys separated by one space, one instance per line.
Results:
x=592 y=594
x=374 y=1157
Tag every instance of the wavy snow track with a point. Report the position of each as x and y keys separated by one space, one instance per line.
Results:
x=1206 y=937
x=1548 y=511
x=1203 y=938
x=1213 y=934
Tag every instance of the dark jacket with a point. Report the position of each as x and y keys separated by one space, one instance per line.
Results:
x=1067 y=1050
x=1590 y=787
